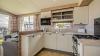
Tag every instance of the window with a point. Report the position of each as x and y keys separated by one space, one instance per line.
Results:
x=28 y=23
x=63 y=27
x=4 y=24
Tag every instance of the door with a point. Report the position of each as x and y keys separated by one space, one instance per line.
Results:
x=50 y=41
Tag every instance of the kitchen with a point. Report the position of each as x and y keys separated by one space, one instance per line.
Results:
x=61 y=30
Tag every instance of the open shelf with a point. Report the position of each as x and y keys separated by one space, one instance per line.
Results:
x=62 y=14
x=61 y=20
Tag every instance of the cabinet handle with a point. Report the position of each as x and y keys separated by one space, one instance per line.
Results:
x=78 y=43
x=63 y=34
x=49 y=33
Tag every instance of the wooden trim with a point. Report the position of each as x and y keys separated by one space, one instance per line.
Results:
x=59 y=51
x=34 y=13
x=85 y=2
x=39 y=52
x=5 y=12
x=29 y=32
x=60 y=7
x=26 y=32
x=70 y=53
x=37 y=22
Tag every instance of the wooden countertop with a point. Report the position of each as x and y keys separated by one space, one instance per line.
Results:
x=90 y=42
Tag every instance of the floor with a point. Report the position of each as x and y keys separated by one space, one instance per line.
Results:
x=52 y=53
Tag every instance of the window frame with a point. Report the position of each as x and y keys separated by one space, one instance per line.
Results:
x=21 y=23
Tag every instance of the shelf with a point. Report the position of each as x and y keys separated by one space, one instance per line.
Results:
x=62 y=20
x=67 y=12
x=56 y=15
x=67 y=15
x=63 y=14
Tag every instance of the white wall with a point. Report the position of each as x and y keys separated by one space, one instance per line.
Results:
x=94 y=12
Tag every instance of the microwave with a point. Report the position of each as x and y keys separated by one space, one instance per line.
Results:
x=45 y=21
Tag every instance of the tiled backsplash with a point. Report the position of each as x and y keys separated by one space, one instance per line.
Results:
x=76 y=27
x=46 y=28
x=52 y=29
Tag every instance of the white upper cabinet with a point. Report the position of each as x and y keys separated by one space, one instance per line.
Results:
x=81 y=15
x=45 y=14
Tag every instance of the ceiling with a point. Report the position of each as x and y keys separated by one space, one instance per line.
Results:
x=30 y=6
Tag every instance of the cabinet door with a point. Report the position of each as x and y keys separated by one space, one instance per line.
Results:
x=50 y=41
x=64 y=42
x=36 y=43
x=91 y=51
x=70 y=42
x=25 y=45
x=80 y=49
x=81 y=15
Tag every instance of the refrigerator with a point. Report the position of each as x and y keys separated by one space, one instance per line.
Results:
x=97 y=26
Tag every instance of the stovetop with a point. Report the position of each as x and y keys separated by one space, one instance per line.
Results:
x=95 y=37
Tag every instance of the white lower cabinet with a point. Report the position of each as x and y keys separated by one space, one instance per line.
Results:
x=35 y=44
x=25 y=46
x=91 y=51
x=31 y=45
x=80 y=49
x=62 y=42
x=88 y=50
x=50 y=41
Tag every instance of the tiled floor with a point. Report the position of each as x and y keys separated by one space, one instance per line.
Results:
x=52 y=53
